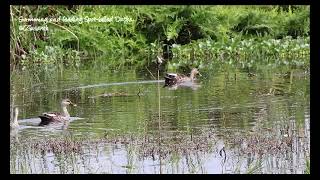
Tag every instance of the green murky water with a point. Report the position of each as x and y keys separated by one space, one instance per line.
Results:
x=261 y=122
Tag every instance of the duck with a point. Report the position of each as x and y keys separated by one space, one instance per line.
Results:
x=14 y=123
x=56 y=117
x=172 y=79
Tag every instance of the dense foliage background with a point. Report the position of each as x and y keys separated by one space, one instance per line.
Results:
x=185 y=35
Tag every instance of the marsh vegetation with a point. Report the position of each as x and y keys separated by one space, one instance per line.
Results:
x=249 y=114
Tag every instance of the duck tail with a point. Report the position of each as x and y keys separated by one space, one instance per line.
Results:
x=44 y=120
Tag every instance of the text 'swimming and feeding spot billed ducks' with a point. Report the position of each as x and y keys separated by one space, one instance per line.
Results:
x=54 y=117
x=176 y=79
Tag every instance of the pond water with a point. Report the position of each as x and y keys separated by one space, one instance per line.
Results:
x=233 y=122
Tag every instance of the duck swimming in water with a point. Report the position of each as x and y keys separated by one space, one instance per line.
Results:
x=56 y=117
x=176 y=79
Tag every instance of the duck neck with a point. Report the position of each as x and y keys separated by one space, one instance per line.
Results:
x=15 y=118
x=192 y=75
x=65 y=111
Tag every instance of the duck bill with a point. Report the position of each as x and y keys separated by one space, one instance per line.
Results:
x=73 y=104
x=199 y=74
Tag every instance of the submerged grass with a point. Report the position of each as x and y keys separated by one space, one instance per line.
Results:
x=255 y=167
x=173 y=151
x=307 y=171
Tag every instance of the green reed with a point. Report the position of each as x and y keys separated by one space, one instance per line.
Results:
x=143 y=30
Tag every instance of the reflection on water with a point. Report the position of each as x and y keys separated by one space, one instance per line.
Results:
x=261 y=122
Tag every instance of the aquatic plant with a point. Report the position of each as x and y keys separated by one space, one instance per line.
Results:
x=243 y=53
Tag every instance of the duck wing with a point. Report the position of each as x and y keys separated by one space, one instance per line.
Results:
x=52 y=114
x=49 y=117
x=172 y=79
x=171 y=76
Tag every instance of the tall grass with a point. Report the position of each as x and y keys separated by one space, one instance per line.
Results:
x=140 y=32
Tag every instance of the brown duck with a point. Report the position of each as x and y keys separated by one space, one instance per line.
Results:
x=176 y=79
x=56 y=117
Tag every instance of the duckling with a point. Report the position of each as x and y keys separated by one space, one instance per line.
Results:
x=55 y=117
x=176 y=79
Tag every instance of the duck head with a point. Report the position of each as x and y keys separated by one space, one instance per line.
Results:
x=66 y=102
x=194 y=72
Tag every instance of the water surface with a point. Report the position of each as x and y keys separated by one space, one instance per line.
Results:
x=261 y=122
